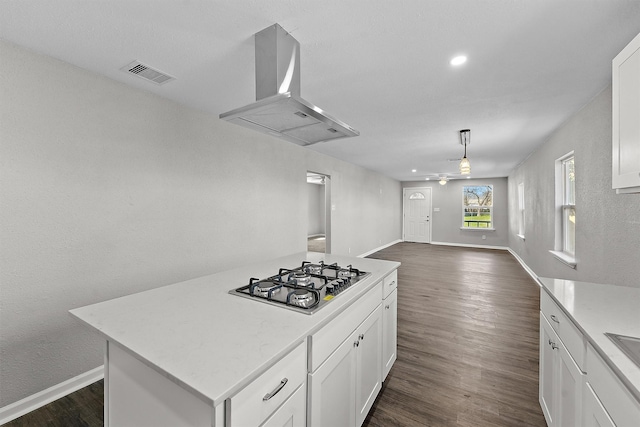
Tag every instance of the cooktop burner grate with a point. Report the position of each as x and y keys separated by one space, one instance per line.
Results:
x=305 y=289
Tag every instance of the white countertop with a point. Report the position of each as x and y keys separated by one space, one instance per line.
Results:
x=210 y=342
x=596 y=309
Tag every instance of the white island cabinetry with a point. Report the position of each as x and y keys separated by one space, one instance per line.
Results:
x=389 y=322
x=345 y=380
x=191 y=354
x=626 y=119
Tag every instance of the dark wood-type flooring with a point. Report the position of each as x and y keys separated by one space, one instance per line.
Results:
x=468 y=336
x=83 y=408
x=467 y=346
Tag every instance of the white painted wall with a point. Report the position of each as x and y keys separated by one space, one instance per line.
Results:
x=317 y=213
x=445 y=224
x=107 y=191
x=607 y=224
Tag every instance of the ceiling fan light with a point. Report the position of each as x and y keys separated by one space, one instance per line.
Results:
x=465 y=166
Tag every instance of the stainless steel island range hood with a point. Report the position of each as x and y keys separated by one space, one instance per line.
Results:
x=279 y=110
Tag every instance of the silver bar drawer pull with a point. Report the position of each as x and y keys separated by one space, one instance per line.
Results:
x=276 y=390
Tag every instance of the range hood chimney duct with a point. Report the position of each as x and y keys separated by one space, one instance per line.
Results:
x=279 y=110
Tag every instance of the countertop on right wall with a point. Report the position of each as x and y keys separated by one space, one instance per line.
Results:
x=596 y=309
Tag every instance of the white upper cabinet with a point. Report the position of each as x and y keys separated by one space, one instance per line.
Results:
x=626 y=119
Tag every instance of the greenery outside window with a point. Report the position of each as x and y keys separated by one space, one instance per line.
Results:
x=477 y=207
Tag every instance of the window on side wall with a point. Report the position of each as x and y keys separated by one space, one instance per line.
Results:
x=565 y=239
x=521 y=210
x=477 y=207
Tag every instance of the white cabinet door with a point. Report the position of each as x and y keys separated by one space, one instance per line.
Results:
x=548 y=380
x=594 y=414
x=570 y=386
x=369 y=359
x=292 y=413
x=389 y=332
x=332 y=388
x=626 y=119
x=344 y=387
x=561 y=380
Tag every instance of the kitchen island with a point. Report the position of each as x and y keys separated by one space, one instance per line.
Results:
x=195 y=344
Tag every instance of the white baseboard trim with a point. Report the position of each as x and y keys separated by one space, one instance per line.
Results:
x=35 y=401
x=379 y=248
x=465 y=245
x=533 y=275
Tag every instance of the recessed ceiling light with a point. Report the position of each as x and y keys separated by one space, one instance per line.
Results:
x=427 y=179
x=413 y=170
x=458 y=60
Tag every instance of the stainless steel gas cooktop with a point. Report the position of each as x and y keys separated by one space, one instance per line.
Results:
x=306 y=289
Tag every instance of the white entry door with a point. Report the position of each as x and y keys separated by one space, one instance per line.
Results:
x=417 y=214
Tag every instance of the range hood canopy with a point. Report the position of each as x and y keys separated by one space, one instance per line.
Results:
x=279 y=110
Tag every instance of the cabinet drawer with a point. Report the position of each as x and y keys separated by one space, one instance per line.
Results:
x=251 y=406
x=568 y=332
x=389 y=283
x=326 y=340
x=622 y=407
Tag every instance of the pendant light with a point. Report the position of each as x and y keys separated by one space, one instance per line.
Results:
x=465 y=138
x=443 y=180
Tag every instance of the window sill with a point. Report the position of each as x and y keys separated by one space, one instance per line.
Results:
x=477 y=229
x=520 y=236
x=565 y=258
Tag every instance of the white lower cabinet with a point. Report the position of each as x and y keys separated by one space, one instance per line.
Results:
x=610 y=393
x=368 y=361
x=561 y=380
x=577 y=387
x=332 y=396
x=389 y=332
x=343 y=389
x=594 y=414
x=548 y=367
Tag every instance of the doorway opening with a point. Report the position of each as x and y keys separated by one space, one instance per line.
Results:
x=319 y=216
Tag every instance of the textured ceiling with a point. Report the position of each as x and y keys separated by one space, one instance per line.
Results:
x=380 y=66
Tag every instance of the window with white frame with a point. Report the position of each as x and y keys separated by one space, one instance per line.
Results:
x=521 y=210
x=568 y=206
x=565 y=240
x=477 y=206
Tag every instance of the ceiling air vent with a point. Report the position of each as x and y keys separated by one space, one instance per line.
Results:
x=144 y=71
